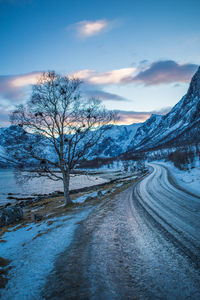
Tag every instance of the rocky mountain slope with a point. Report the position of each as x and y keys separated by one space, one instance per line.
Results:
x=180 y=126
x=114 y=142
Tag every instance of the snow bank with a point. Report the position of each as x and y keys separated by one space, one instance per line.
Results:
x=84 y=197
x=33 y=251
x=81 y=181
x=189 y=180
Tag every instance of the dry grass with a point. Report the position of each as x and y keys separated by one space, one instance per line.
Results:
x=54 y=207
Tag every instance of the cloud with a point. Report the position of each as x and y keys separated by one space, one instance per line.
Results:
x=109 y=77
x=126 y=117
x=130 y=117
x=27 y=79
x=13 y=90
x=96 y=91
x=6 y=89
x=103 y=95
x=12 y=87
x=162 y=72
x=85 y=29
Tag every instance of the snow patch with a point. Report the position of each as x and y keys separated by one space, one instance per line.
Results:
x=33 y=251
x=189 y=180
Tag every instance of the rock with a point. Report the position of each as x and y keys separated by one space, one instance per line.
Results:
x=21 y=204
x=59 y=192
x=10 y=215
x=89 y=198
x=37 y=217
x=99 y=194
x=108 y=192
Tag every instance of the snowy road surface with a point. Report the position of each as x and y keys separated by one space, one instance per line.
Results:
x=142 y=244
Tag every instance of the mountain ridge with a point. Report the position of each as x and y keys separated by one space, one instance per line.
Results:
x=182 y=117
x=180 y=125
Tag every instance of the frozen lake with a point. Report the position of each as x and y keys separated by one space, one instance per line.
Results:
x=39 y=185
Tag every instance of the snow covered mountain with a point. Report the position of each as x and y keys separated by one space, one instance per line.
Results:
x=8 y=138
x=114 y=142
x=179 y=127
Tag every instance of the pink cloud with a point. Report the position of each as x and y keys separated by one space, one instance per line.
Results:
x=109 y=77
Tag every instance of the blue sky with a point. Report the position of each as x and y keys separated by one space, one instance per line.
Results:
x=138 y=57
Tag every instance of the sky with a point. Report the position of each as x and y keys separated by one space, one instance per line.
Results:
x=138 y=57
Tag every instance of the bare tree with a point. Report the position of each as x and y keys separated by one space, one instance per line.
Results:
x=62 y=127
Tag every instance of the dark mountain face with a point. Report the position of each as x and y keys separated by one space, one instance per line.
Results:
x=194 y=89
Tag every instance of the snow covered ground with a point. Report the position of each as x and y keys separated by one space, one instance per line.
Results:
x=33 y=250
x=83 y=198
x=40 y=185
x=189 y=180
x=34 y=247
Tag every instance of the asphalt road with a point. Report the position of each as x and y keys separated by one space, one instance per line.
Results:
x=142 y=244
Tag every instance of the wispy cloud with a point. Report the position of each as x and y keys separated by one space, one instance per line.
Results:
x=130 y=117
x=162 y=72
x=24 y=80
x=86 y=28
x=109 y=77
x=103 y=95
x=12 y=87
x=126 y=117
x=15 y=89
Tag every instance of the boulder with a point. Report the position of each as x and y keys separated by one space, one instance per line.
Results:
x=99 y=194
x=10 y=215
x=108 y=192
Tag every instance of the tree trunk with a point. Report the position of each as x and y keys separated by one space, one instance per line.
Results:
x=66 y=178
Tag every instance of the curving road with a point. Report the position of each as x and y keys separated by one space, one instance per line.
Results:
x=142 y=244
x=173 y=208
